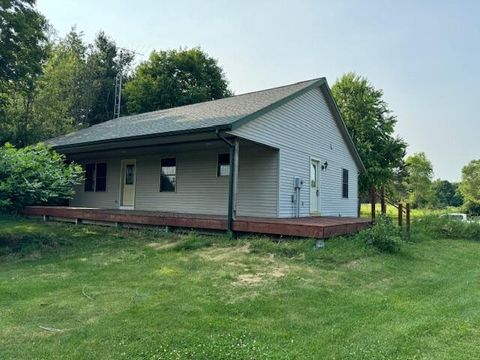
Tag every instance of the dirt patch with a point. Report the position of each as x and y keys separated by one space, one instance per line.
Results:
x=225 y=254
x=249 y=279
x=279 y=272
x=161 y=246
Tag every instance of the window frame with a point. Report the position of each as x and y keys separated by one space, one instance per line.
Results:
x=219 y=175
x=95 y=176
x=345 y=183
x=161 y=175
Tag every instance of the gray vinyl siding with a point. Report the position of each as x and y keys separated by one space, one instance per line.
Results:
x=104 y=199
x=199 y=190
x=301 y=129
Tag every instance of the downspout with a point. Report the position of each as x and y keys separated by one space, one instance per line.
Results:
x=231 y=179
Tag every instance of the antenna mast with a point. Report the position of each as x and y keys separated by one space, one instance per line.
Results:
x=119 y=82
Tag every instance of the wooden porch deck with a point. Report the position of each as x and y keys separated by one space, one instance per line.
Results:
x=319 y=227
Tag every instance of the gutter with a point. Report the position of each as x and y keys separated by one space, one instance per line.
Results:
x=231 y=179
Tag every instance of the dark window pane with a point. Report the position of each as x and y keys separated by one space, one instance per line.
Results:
x=101 y=170
x=169 y=162
x=89 y=177
x=345 y=183
x=129 y=174
x=223 y=166
x=101 y=184
x=168 y=175
x=88 y=185
x=168 y=183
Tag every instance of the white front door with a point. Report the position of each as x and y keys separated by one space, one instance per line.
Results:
x=128 y=180
x=314 y=187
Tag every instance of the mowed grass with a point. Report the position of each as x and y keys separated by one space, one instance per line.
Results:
x=86 y=292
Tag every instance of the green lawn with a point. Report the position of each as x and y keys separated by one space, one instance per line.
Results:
x=90 y=292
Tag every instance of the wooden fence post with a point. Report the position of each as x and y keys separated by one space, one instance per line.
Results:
x=408 y=217
x=373 y=200
x=400 y=215
x=382 y=200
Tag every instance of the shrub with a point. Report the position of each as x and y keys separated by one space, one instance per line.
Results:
x=34 y=175
x=443 y=227
x=383 y=235
x=472 y=208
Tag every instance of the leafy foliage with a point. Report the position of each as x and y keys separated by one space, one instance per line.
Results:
x=446 y=193
x=22 y=41
x=470 y=186
x=383 y=235
x=419 y=180
x=64 y=89
x=371 y=125
x=23 y=49
x=174 y=78
x=105 y=61
x=443 y=227
x=34 y=175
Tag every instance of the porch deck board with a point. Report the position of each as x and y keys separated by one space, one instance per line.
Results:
x=316 y=227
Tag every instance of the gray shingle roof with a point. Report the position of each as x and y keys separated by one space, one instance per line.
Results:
x=190 y=118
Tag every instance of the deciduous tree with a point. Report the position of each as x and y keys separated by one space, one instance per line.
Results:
x=371 y=125
x=470 y=186
x=175 y=78
x=23 y=45
x=419 y=180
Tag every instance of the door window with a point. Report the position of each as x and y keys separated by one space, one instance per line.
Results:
x=313 y=175
x=129 y=174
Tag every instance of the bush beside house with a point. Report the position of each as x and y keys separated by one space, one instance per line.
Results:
x=35 y=175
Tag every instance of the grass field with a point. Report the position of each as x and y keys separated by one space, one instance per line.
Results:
x=86 y=292
x=365 y=211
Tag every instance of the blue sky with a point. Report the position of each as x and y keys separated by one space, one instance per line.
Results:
x=425 y=55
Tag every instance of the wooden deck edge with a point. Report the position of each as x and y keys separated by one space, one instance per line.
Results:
x=304 y=230
x=93 y=215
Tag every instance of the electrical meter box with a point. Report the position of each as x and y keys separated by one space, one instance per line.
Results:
x=297 y=182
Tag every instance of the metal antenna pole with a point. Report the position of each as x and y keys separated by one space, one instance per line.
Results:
x=118 y=85
x=118 y=95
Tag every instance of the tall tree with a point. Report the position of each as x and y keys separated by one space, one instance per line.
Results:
x=371 y=125
x=23 y=49
x=419 y=180
x=63 y=97
x=106 y=60
x=174 y=78
x=446 y=193
x=470 y=186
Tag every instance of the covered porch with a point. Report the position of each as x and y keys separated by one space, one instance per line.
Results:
x=318 y=227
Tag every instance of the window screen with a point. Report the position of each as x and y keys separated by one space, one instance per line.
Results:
x=168 y=175
x=223 y=165
x=345 y=183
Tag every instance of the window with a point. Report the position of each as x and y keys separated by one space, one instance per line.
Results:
x=345 y=183
x=168 y=175
x=101 y=177
x=96 y=177
x=223 y=165
x=130 y=174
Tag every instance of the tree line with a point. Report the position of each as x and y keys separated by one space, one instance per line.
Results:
x=52 y=85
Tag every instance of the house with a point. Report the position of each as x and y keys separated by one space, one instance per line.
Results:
x=277 y=153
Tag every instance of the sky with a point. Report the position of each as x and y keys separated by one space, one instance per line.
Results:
x=425 y=55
